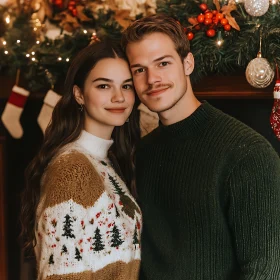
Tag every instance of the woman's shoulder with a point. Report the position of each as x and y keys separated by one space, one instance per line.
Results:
x=71 y=175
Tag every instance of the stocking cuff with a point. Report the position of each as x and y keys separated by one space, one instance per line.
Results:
x=51 y=98
x=20 y=90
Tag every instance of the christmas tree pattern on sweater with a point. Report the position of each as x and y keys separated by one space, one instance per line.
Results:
x=73 y=237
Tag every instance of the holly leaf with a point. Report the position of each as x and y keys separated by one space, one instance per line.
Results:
x=80 y=13
x=122 y=17
x=232 y=22
x=227 y=9
x=193 y=21
x=217 y=4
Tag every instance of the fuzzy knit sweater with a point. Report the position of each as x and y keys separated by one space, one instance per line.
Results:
x=88 y=225
x=209 y=191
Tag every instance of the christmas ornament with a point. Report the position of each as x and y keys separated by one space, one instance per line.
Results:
x=259 y=73
x=45 y=115
x=13 y=110
x=256 y=8
x=275 y=113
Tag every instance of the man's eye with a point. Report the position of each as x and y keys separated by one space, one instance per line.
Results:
x=164 y=63
x=139 y=70
x=128 y=87
x=104 y=86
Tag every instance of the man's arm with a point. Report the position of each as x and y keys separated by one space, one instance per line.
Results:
x=254 y=213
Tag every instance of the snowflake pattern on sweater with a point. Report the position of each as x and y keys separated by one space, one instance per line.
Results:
x=74 y=236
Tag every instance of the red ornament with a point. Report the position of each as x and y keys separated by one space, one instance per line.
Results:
x=224 y=21
x=190 y=36
x=227 y=27
x=200 y=18
x=203 y=7
x=210 y=32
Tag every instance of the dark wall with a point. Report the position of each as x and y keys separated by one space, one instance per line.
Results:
x=254 y=113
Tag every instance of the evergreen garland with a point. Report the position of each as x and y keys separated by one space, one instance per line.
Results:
x=238 y=49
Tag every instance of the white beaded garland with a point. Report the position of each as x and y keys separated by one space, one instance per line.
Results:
x=256 y=8
x=259 y=73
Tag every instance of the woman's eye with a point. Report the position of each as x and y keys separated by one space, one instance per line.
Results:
x=104 y=86
x=129 y=87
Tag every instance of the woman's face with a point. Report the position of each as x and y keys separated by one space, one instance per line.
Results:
x=108 y=96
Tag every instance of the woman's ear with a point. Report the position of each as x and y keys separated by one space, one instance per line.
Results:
x=78 y=95
x=188 y=64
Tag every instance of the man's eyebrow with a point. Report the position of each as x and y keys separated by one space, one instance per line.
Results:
x=155 y=60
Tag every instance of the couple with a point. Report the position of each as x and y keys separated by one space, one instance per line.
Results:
x=207 y=185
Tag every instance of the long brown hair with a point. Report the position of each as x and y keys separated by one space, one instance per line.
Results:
x=66 y=126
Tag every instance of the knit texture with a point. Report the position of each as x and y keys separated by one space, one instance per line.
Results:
x=88 y=225
x=209 y=191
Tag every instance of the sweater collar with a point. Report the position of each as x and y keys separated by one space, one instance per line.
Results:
x=98 y=147
x=192 y=124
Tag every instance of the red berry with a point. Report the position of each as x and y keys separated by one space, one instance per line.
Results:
x=211 y=32
x=203 y=7
x=214 y=12
x=207 y=21
x=200 y=18
x=219 y=16
x=197 y=27
x=190 y=36
x=224 y=21
x=227 y=27
x=208 y=15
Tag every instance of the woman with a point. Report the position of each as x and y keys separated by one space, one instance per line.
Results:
x=87 y=224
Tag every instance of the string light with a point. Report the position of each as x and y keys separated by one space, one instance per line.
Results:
x=59 y=58
x=33 y=53
x=6 y=52
x=67 y=59
x=7 y=19
x=85 y=31
x=37 y=42
x=33 y=58
x=27 y=55
x=18 y=41
x=220 y=40
x=273 y=2
x=4 y=43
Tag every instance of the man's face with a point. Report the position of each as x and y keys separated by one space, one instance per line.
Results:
x=158 y=72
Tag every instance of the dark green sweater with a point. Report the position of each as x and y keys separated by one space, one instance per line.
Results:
x=209 y=188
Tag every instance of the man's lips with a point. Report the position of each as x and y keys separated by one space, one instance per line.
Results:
x=116 y=110
x=156 y=92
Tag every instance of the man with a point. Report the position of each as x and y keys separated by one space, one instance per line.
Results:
x=209 y=186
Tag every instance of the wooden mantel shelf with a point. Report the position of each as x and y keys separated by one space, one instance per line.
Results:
x=211 y=87
x=230 y=87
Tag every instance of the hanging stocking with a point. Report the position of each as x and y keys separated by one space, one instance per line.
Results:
x=45 y=115
x=13 y=110
x=275 y=113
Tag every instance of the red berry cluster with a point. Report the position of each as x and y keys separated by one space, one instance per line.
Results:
x=72 y=7
x=211 y=19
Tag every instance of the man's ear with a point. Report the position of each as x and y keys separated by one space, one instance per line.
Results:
x=78 y=94
x=188 y=64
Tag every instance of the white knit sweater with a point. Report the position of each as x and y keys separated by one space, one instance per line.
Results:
x=88 y=225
